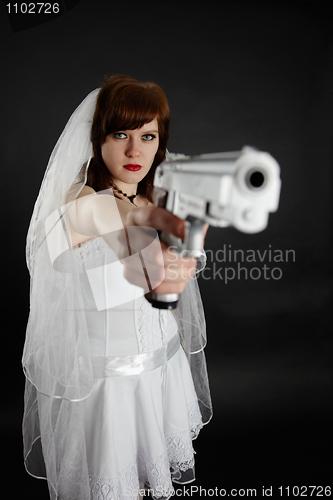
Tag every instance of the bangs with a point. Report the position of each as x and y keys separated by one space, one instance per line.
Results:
x=131 y=111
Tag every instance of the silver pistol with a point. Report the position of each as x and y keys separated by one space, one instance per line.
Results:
x=236 y=189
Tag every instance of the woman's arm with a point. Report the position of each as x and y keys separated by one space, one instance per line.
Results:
x=104 y=215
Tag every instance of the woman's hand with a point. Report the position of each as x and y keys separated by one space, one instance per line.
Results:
x=152 y=264
x=167 y=272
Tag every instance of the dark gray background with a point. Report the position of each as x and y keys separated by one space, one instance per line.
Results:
x=235 y=73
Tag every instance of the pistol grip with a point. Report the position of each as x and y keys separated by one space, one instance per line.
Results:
x=192 y=245
x=190 y=248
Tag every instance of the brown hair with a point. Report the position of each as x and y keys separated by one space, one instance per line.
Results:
x=124 y=103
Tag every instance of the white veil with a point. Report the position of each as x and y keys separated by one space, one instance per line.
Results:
x=192 y=330
x=56 y=358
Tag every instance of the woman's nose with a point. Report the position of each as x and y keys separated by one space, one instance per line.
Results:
x=132 y=150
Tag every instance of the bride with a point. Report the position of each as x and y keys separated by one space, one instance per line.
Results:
x=116 y=390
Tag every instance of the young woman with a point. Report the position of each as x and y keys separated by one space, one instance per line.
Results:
x=116 y=390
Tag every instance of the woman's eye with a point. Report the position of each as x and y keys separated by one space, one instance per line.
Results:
x=148 y=137
x=119 y=135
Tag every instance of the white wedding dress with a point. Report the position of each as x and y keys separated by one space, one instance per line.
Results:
x=143 y=413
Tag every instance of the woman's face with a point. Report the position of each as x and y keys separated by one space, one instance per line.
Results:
x=129 y=154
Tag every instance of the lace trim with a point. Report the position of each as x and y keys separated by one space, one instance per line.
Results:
x=90 y=249
x=153 y=325
x=124 y=486
x=144 y=317
x=178 y=456
x=179 y=446
x=149 y=331
x=157 y=474
x=195 y=419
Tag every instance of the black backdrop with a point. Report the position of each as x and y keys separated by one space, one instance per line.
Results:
x=235 y=72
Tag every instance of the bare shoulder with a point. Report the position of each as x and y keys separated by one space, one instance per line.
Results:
x=85 y=191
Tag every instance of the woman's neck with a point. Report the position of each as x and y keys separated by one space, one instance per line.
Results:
x=129 y=189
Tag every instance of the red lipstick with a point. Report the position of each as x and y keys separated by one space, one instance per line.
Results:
x=133 y=167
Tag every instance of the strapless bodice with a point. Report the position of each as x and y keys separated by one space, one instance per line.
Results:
x=120 y=320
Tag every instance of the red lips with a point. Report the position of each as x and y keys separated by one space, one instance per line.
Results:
x=133 y=167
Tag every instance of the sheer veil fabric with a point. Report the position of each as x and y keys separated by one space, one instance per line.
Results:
x=56 y=357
